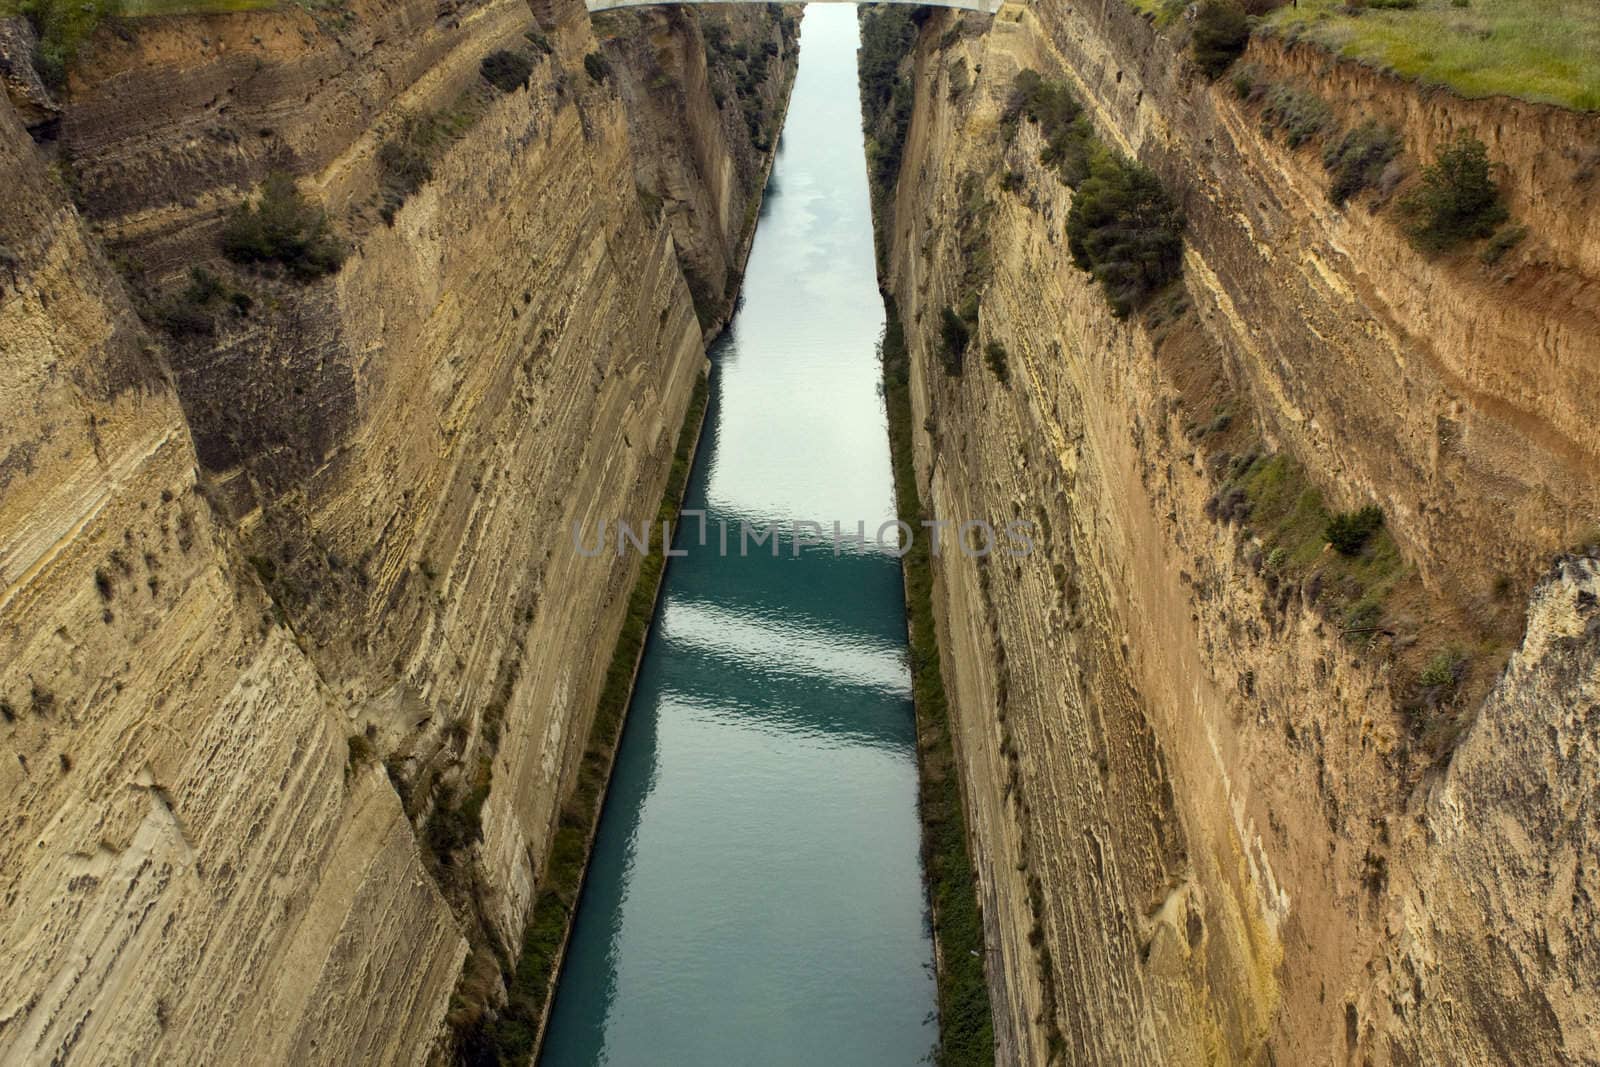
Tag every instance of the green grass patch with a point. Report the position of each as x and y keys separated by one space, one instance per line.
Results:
x=512 y=1037
x=966 y=1022
x=1542 y=50
x=1273 y=497
x=1299 y=115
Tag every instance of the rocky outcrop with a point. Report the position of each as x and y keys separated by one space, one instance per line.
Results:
x=300 y=660
x=1206 y=824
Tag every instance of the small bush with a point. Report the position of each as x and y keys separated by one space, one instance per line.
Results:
x=1507 y=238
x=994 y=353
x=506 y=71
x=1299 y=114
x=62 y=26
x=282 y=227
x=1358 y=159
x=1350 y=531
x=405 y=160
x=1221 y=32
x=194 y=310
x=362 y=751
x=1125 y=230
x=954 y=335
x=1068 y=135
x=1457 y=200
x=450 y=828
x=596 y=66
x=1443 y=670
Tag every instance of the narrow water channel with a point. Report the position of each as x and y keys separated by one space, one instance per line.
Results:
x=755 y=894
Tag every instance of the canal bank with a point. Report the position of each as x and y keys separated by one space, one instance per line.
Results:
x=754 y=893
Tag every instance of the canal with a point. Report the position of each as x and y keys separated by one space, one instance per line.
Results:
x=755 y=893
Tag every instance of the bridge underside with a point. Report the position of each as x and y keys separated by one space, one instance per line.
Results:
x=988 y=7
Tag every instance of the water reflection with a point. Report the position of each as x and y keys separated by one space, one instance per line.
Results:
x=755 y=895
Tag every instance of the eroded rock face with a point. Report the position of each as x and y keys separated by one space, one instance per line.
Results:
x=191 y=867
x=278 y=587
x=1205 y=826
x=1495 y=952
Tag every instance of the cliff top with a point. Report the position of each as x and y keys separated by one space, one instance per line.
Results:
x=1546 y=51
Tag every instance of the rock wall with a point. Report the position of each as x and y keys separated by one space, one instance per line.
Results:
x=1202 y=827
x=705 y=105
x=289 y=592
x=191 y=868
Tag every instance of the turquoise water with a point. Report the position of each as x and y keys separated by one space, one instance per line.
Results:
x=755 y=894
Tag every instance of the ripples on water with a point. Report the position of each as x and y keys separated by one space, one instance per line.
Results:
x=755 y=894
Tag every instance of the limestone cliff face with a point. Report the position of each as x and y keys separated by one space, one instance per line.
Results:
x=191 y=871
x=1202 y=826
x=286 y=588
x=705 y=105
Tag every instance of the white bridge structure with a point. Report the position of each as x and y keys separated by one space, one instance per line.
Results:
x=988 y=7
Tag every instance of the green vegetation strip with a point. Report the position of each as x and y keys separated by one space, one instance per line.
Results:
x=966 y=1023
x=514 y=1036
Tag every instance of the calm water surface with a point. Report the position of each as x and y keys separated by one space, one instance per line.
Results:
x=755 y=895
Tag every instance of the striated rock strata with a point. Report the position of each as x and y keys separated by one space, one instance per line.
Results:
x=1204 y=827
x=296 y=659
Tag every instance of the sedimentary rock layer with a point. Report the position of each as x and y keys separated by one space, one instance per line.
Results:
x=287 y=585
x=1204 y=828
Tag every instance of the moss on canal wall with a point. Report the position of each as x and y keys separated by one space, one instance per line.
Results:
x=966 y=1023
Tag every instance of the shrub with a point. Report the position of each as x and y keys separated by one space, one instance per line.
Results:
x=362 y=751
x=1443 y=670
x=194 y=310
x=506 y=71
x=62 y=26
x=954 y=334
x=994 y=353
x=1068 y=135
x=1299 y=114
x=1221 y=32
x=1457 y=200
x=597 y=67
x=1507 y=238
x=1357 y=160
x=1068 y=147
x=282 y=227
x=1125 y=230
x=1350 y=531
x=405 y=161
